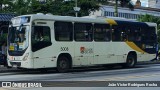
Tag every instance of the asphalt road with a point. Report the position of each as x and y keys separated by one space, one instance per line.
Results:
x=85 y=74
x=142 y=72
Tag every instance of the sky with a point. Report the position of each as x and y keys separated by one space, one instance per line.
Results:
x=143 y=2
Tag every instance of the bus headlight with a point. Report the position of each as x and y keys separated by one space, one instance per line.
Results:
x=26 y=57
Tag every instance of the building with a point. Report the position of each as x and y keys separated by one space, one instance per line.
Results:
x=158 y=4
x=138 y=3
x=4 y=22
x=152 y=3
x=148 y=3
x=126 y=12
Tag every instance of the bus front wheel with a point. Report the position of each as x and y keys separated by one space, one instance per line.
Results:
x=63 y=64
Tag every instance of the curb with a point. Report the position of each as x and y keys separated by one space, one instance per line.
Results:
x=150 y=62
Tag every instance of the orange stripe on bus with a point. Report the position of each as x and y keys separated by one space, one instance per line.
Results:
x=135 y=47
x=111 y=21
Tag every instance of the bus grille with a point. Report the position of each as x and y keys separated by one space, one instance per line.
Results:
x=18 y=64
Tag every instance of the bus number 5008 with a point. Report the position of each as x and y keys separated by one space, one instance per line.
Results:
x=64 y=49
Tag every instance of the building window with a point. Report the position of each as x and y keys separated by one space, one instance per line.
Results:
x=109 y=13
x=119 y=15
x=123 y=15
x=112 y=13
x=106 y=13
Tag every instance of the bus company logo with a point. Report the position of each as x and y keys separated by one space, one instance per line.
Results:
x=84 y=50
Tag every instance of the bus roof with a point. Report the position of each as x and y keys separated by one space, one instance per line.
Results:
x=104 y=20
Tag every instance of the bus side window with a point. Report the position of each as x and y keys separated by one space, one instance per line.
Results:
x=124 y=36
x=83 y=31
x=134 y=34
x=102 y=32
x=63 y=31
x=137 y=34
x=116 y=33
x=152 y=35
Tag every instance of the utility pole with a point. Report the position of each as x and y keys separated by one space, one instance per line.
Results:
x=116 y=9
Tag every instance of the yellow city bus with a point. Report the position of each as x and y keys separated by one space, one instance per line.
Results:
x=46 y=41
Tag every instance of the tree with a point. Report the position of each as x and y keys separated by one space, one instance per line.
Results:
x=1 y=3
x=61 y=7
x=67 y=8
x=149 y=18
x=87 y=6
x=56 y=7
x=154 y=19
x=6 y=6
x=127 y=3
x=21 y=7
x=123 y=3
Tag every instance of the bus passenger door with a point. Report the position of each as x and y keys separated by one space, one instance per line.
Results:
x=41 y=44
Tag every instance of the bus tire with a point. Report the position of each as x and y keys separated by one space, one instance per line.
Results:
x=63 y=64
x=131 y=61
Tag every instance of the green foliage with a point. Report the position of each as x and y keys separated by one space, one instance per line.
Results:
x=21 y=7
x=56 y=7
x=87 y=6
x=8 y=6
x=62 y=8
x=150 y=18
x=123 y=3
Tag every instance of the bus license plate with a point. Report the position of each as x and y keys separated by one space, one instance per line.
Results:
x=14 y=66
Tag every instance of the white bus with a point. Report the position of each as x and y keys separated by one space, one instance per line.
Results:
x=63 y=42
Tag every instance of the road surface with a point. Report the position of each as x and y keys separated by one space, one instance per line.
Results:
x=142 y=72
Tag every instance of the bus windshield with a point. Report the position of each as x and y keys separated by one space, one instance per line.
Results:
x=18 y=39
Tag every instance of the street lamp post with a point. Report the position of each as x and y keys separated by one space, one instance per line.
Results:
x=76 y=9
x=116 y=9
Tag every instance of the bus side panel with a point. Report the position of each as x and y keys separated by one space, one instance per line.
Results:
x=44 y=58
x=49 y=55
x=110 y=52
x=63 y=48
x=83 y=53
x=120 y=51
x=103 y=53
